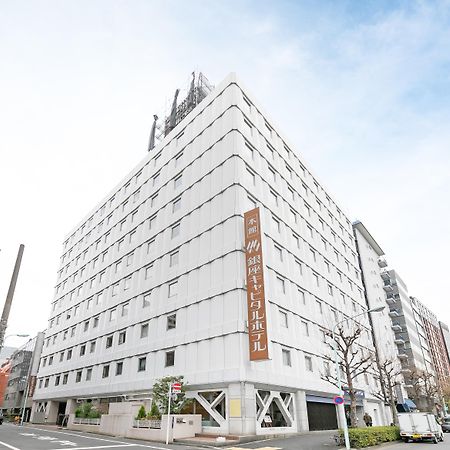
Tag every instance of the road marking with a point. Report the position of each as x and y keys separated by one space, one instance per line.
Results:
x=81 y=435
x=9 y=446
x=101 y=446
x=261 y=448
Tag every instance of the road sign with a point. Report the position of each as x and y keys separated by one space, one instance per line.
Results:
x=176 y=388
x=338 y=400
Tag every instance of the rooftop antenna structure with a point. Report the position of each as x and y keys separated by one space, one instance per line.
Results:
x=151 y=143
x=198 y=89
x=10 y=295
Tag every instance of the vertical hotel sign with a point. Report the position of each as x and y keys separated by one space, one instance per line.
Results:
x=256 y=302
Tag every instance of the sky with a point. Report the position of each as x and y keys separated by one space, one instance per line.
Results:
x=360 y=90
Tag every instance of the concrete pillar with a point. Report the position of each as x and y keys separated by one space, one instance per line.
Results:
x=241 y=409
x=51 y=413
x=301 y=411
x=71 y=406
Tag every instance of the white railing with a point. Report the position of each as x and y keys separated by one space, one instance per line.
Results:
x=144 y=423
x=82 y=421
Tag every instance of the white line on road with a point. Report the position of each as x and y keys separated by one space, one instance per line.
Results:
x=77 y=434
x=9 y=446
x=101 y=446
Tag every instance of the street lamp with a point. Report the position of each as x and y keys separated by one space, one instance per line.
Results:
x=338 y=371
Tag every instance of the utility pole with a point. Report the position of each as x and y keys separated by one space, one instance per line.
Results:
x=10 y=295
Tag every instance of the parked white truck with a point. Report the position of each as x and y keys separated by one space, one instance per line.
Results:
x=420 y=427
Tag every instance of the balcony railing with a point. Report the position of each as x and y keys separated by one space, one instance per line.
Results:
x=382 y=262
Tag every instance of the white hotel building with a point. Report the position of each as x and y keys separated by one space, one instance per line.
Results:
x=152 y=281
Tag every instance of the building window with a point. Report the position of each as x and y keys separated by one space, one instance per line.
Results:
x=146 y=300
x=153 y=200
x=283 y=319
x=305 y=328
x=65 y=378
x=57 y=379
x=122 y=337
x=330 y=289
x=115 y=289
x=142 y=363
x=86 y=325
x=118 y=266
x=105 y=371
x=302 y=296
x=130 y=259
x=177 y=182
x=83 y=350
x=276 y=224
x=319 y=306
x=112 y=315
x=125 y=309
x=96 y=321
x=144 y=330
x=308 y=363
x=278 y=252
x=109 y=341
x=78 y=376
x=148 y=271
x=175 y=230
x=92 y=347
x=176 y=205
x=69 y=354
x=174 y=257
x=89 y=374
x=171 y=321
x=127 y=284
x=173 y=289
x=170 y=358
x=286 y=357
x=281 y=285
x=119 y=368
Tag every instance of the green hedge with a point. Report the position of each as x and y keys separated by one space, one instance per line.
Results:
x=368 y=436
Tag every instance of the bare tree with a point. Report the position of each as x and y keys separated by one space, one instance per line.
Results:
x=422 y=385
x=389 y=376
x=353 y=362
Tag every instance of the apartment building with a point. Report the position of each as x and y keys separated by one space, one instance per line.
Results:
x=19 y=389
x=383 y=325
x=152 y=282
x=446 y=337
x=435 y=343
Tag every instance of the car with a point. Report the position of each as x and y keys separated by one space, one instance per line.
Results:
x=446 y=424
x=1 y=417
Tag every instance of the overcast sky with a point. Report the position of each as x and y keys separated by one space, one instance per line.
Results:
x=360 y=89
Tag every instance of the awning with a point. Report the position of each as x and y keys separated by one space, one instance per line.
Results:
x=407 y=406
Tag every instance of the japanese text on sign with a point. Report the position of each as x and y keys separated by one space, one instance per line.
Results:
x=256 y=304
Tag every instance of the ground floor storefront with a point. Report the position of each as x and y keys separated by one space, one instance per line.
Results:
x=238 y=409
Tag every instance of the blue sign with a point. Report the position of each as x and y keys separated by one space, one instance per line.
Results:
x=338 y=400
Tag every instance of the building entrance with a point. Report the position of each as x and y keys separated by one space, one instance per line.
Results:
x=321 y=416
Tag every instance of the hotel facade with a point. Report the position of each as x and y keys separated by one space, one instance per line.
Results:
x=153 y=281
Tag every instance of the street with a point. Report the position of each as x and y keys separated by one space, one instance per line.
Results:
x=14 y=437
x=31 y=437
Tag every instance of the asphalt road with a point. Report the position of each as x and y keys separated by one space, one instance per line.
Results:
x=14 y=437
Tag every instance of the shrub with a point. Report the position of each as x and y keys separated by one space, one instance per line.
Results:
x=141 y=413
x=366 y=437
x=87 y=411
x=154 y=413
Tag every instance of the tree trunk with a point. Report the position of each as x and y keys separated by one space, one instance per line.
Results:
x=392 y=404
